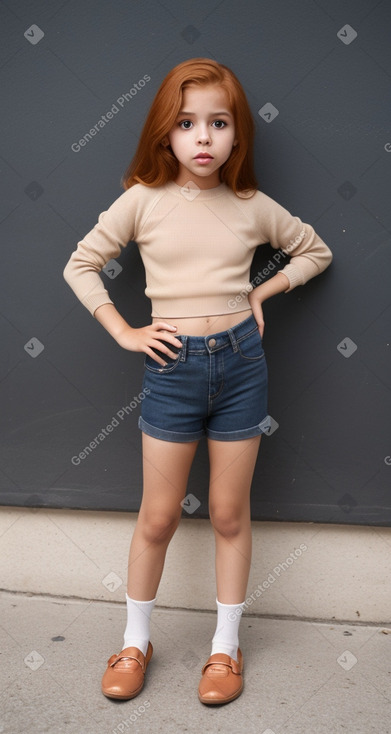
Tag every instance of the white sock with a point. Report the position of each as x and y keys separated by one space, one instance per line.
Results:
x=138 y=621
x=226 y=637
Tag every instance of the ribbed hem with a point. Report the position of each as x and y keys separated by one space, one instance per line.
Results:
x=241 y=604
x=93 y=302
x=177 y=307
x=137 y=601
x=294 y=276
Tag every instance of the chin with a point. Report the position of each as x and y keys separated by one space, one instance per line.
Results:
x=204 y=171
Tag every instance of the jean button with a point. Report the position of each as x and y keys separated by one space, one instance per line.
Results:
x=212 y=342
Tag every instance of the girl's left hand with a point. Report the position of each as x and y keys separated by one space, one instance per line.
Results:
x=256 y=307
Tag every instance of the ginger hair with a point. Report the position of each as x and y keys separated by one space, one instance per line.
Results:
x=154 y=163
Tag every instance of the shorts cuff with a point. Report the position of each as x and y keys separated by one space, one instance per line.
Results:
x=257 y=430
x=174 y=436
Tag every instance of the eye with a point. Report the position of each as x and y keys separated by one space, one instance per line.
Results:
x=219 y=124
x=185 y=124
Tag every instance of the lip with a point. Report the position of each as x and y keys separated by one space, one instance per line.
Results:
x=203 y=156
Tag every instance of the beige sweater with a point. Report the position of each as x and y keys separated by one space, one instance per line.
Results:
x=197 y=247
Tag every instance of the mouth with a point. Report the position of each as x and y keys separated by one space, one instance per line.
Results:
x=203 y=157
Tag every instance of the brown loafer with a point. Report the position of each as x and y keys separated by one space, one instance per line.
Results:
x=222 y=679
x=124 y=677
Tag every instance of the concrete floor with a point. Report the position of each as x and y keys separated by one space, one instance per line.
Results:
x=300 y=677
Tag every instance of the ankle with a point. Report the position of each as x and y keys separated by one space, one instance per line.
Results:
x=226 y=637
x=137 y=630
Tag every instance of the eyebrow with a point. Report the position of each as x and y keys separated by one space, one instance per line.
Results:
x=212 y=114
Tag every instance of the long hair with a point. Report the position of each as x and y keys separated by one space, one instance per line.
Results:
x=154 y=163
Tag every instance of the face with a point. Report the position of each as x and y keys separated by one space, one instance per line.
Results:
x=202 y=136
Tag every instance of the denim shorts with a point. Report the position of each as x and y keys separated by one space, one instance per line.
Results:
x=216 y=386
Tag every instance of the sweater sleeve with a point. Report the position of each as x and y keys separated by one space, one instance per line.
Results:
x=309 y=254
x=114 y=229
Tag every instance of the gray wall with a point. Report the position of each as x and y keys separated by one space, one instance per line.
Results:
x=326 y=157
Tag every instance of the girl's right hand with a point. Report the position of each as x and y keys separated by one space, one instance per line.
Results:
x=154 y=335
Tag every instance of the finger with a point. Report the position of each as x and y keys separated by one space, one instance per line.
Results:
x=261 y=325
x=162 y=325
x=170 y=338
x=164 y=347
x=155 y=357
x=258 y=315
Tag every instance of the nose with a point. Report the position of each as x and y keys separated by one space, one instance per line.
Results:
x=203 y=137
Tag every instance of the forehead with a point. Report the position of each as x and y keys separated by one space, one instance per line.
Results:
x=211 y=96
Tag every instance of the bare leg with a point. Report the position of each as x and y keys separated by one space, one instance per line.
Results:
x=166 y=468
x=232 y=466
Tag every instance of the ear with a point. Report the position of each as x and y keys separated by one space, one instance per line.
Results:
x=235 y=143
x=165 y=142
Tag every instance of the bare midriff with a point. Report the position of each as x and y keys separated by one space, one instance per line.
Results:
x=205 y=325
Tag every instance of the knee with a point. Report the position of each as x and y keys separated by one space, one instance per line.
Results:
x=226 y=522
x=159 y=528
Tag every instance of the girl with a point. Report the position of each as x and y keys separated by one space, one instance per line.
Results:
x=191 y=204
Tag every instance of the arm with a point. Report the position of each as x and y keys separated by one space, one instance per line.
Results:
x=309 y=255
x=115 y=228
x=277 y=284
x=110 y=235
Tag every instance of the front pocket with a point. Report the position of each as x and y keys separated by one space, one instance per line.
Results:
x=251 y=347
x=152 y=366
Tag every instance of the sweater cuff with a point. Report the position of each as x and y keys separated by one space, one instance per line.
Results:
x=294 y=276
x=94 y=301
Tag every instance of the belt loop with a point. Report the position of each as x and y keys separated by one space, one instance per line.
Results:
x=233 y=340
x=183 y=356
